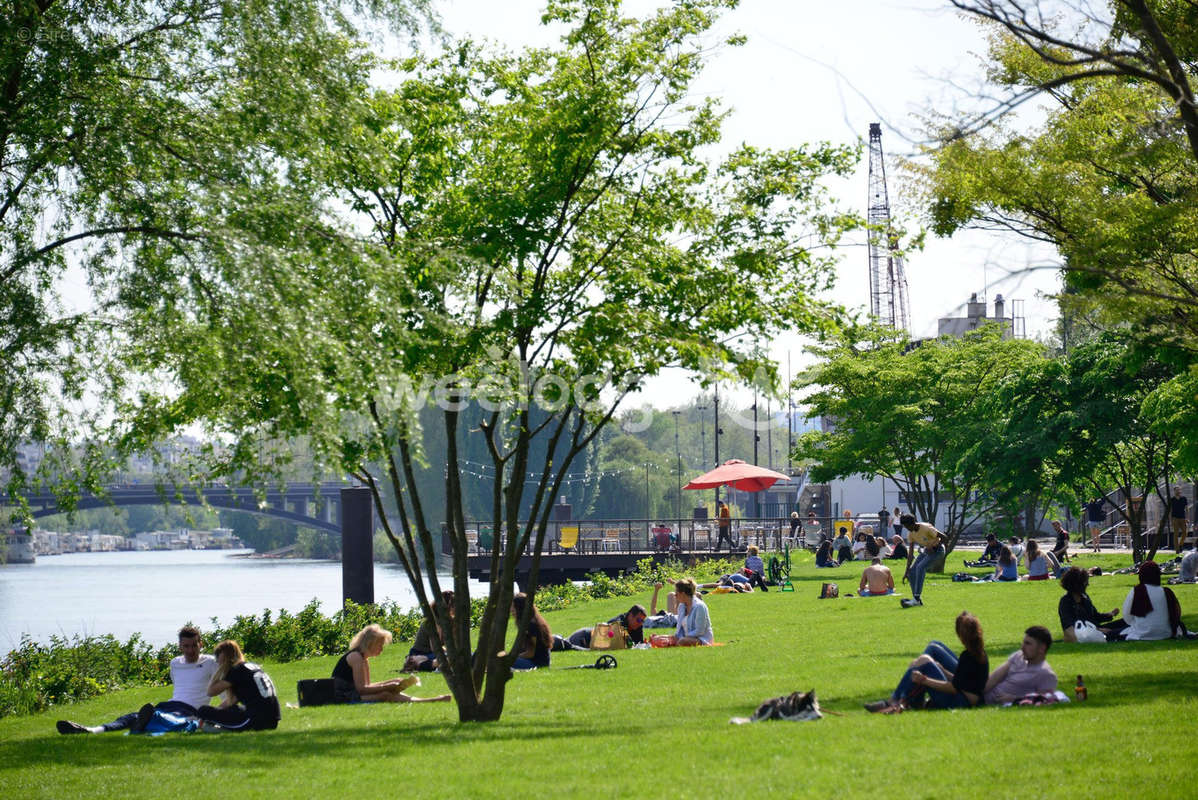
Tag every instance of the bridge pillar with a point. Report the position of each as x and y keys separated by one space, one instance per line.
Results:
x=357 y=545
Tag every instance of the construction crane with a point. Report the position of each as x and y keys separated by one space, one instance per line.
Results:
x=887 y=278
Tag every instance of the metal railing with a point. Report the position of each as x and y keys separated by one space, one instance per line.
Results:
x=647 y=536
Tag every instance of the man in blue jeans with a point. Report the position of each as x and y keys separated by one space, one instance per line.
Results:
x=932 y=542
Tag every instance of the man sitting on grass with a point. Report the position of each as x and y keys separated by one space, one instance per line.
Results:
x=1025 y=671
x=989 y=555
x=190 y=674
x=876 y=580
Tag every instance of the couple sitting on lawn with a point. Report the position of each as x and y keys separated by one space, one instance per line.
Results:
x=250 y=701
x=940 y=680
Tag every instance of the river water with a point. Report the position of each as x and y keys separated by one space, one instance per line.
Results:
x=156 y=592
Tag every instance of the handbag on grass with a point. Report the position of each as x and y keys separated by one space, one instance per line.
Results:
x=608 y=636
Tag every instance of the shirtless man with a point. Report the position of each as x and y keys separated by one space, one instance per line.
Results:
x=876 y=579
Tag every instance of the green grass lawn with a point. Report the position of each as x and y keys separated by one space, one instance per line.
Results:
x=658 y=725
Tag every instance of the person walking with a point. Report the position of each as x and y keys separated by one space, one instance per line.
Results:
x=725 y=515
x=1177 y=518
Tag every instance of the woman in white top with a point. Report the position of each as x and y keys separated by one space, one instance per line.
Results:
x=1150 y=610
x=694 y=623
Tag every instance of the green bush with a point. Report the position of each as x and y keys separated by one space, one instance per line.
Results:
x=289 y=637
x=35 y=676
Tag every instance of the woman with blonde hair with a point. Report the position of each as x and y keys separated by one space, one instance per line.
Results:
x=351 y=674
x=250 y=700
x=694 y=621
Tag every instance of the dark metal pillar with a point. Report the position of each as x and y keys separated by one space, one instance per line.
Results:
x=357 y=545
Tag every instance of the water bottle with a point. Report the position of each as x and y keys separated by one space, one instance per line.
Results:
x=1080 y=689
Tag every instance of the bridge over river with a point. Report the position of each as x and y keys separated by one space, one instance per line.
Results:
x=572 y=549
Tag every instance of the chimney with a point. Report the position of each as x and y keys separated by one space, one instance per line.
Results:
x=975 y=310
x=998 y=307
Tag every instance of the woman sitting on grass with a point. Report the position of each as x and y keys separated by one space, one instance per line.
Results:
x=421 y=656
x=1151 y=610
x=823 y=556
x=250 y=703
x=1007 y=568
x=536 y=640
x=694 y=622
x=1075 y=605
x=351 y=675
x=949 y=681
x=1039 y=562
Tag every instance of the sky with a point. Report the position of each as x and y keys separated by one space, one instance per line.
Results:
x=824 y=71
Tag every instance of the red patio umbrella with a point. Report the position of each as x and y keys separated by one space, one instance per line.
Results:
x=738 y=475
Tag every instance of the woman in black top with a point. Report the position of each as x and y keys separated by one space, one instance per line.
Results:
x=250 y=702
x=949 y=681
x=351 y=674
x=423 y=656
x=823 y=558
x=1076 y=605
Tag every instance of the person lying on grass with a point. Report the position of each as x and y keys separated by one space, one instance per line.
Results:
x=1075 y=605
x=733 y=582
x=666 y=617
x=694 y=622
x=250 y=700
x=351 y=674
x=632 y=621
x=191 y=672
x=939 y=680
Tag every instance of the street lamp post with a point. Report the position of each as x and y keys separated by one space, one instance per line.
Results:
x=756 y=439
x=717 y=442
x=647 y=509
x=678 y=457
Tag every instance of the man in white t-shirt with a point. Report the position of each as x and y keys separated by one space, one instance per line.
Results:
x=191 y=672
x=1025 y=672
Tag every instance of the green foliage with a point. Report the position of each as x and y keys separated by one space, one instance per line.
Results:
x=35 y=676
x=307 y=633
x=133 y=136
x=912 y=415
x=1108 y=176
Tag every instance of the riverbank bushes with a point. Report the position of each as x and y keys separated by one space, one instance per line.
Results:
x=35 y=676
